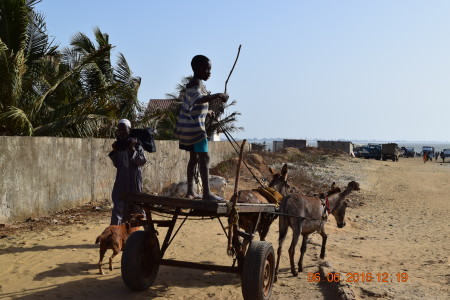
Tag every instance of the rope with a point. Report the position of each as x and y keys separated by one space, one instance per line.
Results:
x=230 y=139
x=294 y=216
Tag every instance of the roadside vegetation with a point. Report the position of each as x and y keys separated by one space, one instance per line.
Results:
x=310 y=169
x=72 y=91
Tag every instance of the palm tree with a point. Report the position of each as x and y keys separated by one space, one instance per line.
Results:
x=75 y=92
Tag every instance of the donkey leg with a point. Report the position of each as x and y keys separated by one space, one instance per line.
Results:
x=302 y=253
x=283 y=228
x=296 y=230
x=324 y=243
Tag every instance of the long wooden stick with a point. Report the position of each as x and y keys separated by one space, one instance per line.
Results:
x=236 y=182
x=233 y=213
x=235 y=61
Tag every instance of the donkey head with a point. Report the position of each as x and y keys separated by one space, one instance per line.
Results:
x=339 y=212
x=279 y=180
x=353 y=185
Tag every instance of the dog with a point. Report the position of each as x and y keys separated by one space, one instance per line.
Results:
x=114 y=237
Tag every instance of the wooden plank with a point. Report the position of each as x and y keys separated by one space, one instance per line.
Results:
x=214 y=208
x=208 y=206
x=252 y=208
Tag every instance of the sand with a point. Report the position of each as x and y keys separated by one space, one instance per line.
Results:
x=397 y=223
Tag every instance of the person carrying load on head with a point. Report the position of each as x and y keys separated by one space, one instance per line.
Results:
x=191 y=130
x=128 y=158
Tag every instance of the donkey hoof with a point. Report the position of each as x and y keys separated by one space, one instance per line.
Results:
x=322 y=256
x=295 y=274
x=275 y=279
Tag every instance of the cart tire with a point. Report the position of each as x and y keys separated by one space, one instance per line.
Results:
x=258 y=271
x=140 y=260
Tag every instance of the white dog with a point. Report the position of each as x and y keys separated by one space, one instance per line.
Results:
x=217 y=185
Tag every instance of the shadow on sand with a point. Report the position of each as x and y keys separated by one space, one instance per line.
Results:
x=111 y=286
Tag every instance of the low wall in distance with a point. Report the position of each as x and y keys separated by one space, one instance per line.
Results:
x=40 y=175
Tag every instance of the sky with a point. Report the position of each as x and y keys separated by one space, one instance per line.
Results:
x=324 y=69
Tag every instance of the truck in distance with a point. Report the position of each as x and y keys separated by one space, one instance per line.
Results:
x=371 y=151
x=390 y=151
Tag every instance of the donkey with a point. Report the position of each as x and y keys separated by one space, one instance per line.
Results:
x=248 y=221
x=306 y=215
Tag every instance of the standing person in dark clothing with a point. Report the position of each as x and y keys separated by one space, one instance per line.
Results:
x=128 y=158
x=191 y=129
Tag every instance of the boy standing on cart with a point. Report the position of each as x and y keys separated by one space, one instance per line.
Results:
x=191 y=130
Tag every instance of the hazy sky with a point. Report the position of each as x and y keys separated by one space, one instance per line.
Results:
x=337 y=69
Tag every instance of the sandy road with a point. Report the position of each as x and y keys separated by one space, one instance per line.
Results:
x=402 y=228
x=397 y=223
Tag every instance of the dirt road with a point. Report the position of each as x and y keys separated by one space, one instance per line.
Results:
x=397 y=224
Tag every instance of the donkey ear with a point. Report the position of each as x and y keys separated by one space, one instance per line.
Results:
x=272 y=171
x=284 y=171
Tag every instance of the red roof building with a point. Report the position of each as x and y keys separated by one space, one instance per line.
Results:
x=155 y=105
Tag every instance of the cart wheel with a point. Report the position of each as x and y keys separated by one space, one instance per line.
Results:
x=140 y=260
x=258 y=271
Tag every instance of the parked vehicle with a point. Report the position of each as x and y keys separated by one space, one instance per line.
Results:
x=390 y=151
x=445 y=153
x=408 y=152
x=372 y=151
x=429 y=151
x=358 y=151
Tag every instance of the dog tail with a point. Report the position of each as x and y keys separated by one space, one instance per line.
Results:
x=98 y=239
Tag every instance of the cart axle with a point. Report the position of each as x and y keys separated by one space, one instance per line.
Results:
x=199 y=266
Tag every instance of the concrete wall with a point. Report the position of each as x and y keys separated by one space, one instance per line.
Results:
x=347 y=147
x=46 y=174
x=294 y=143
x=277 y=146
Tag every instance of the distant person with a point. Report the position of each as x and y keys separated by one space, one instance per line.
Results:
x=443 y=156
x=128 y=158
x=191 y=130
x=425 y=157
x=436 y=155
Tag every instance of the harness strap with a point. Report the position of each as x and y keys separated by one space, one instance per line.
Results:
x=294 y=216
x=327 y=205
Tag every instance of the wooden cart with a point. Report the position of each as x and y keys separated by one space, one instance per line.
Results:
x=142 y=255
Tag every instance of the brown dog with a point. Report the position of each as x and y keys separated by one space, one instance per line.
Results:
x=114 y=237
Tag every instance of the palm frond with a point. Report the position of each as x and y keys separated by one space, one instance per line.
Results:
x=101 y=38
x=122 y=72
x=13 y=24
x=38 y=43
x=82 y=43
x=86 y=60
x=16 y=118
x=74 y=125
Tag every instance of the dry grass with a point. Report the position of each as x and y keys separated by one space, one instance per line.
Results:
x=303 y=167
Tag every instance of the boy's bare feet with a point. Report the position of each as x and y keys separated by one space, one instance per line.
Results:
x=214 y=198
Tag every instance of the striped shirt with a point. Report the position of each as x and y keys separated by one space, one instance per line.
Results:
x=191 y=120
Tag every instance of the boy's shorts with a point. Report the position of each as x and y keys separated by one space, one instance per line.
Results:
x=201 y=147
